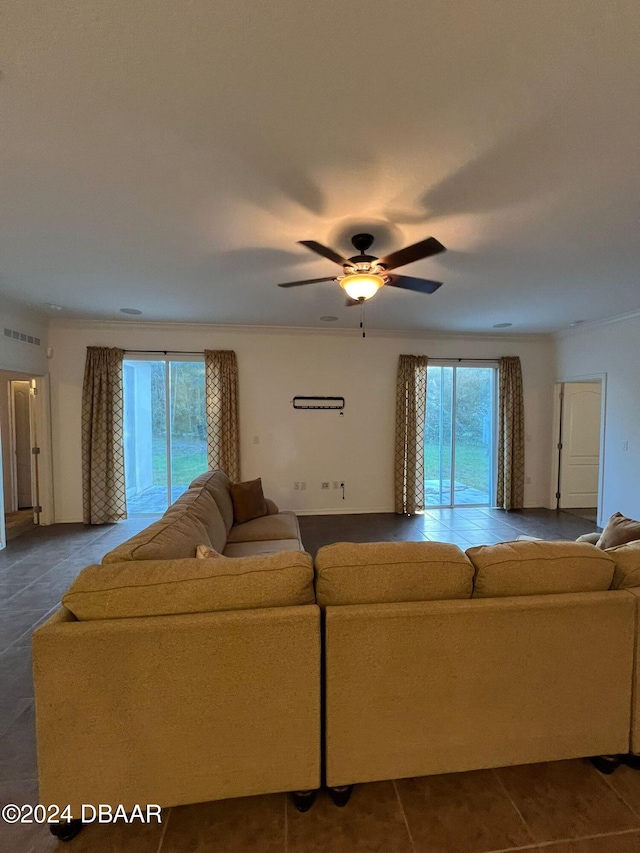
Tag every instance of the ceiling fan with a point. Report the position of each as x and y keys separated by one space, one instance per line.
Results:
x=365 y=274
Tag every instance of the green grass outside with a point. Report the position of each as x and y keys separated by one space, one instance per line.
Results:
x=188 y=460
x=472 y=465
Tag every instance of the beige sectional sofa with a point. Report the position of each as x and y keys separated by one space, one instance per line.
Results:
x=439 y=661
x=166 y=679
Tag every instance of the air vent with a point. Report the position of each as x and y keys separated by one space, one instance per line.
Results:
x=21 y=336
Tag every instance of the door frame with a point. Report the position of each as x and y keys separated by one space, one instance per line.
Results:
x=42 y=418
x=557 y=437
x=33 y=462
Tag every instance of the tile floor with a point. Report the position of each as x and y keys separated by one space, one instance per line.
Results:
x=561 y=807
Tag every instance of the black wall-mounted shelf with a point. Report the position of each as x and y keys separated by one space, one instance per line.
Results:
x=318 y=403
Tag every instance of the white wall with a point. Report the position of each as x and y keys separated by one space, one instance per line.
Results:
x=18 y=354
x=312 y=446
x=612 y=349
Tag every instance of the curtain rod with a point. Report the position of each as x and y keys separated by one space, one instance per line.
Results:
x=166 y=351
x=497 y=358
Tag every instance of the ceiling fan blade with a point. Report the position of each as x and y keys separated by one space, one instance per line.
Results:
x=420 y=285
x=423 y=249
x=319 y=249
x=308 y=281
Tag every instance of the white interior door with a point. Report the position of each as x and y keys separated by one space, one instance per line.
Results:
x=580 y=453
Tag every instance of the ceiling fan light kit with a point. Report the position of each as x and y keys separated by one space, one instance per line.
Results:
x=365 y=274
x=361 y=285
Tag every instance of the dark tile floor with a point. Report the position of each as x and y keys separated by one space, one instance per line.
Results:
x=562 y=807
x=462 y=526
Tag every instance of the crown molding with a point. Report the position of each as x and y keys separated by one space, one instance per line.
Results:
x=304 y=331
x=597 y=324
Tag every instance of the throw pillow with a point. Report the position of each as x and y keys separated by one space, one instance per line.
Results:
x=204 y=552
x=248 y=501
x=618 y=531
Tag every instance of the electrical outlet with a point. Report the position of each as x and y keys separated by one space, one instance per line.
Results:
x=336 y=484
x=296 y=486
x=324 y=486
x=303 y=486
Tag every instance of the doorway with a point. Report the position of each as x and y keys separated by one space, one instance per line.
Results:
x=165 y=435
x=460 y=435
x=20 y=474
x=579 y=448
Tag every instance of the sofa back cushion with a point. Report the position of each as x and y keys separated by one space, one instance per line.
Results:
x=539 y=568
x=171 y=587
x=218 y=486
x=627 y=560
x=194 y=519
x=378 y=572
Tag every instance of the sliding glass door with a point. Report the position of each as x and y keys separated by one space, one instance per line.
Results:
x=165 y=431
x=460 y=435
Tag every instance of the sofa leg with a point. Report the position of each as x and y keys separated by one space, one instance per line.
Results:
x=606 y=763
x=303 y=800
x=67 y=830
x=632 y=761
x=340 y=795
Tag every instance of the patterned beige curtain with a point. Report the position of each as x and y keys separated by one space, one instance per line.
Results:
x=221 y=389
x=411 y=403
x=510 y=492
x=103 y=488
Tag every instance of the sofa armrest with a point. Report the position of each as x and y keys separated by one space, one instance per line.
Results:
x=272 y=509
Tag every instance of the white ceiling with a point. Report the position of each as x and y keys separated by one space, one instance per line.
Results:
x=166 y=155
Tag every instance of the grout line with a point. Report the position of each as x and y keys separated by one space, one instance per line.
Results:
x=404 y=816
x=30 y=629
x=606 y=781
x=542 y=844
x=513 y=803
x=164 y=832
x=538 y=845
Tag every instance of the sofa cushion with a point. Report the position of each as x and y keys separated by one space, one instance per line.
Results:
x=627 y=560
x=618 y=531
x=199 y=504
x=171 y=587
x=203 y=552
x=591 y=538
x=248 y=501
x=217 y=484
x=270 y=546
x=378 y=572
x=284 y=525
x=192 y=520
x=539 y=568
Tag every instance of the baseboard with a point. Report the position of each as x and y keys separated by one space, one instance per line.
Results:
x=345 y=511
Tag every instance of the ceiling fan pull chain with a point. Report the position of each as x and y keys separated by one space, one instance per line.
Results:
x=364 y=335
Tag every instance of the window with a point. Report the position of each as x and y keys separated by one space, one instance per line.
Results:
x=165 y=433
x=460 y=435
